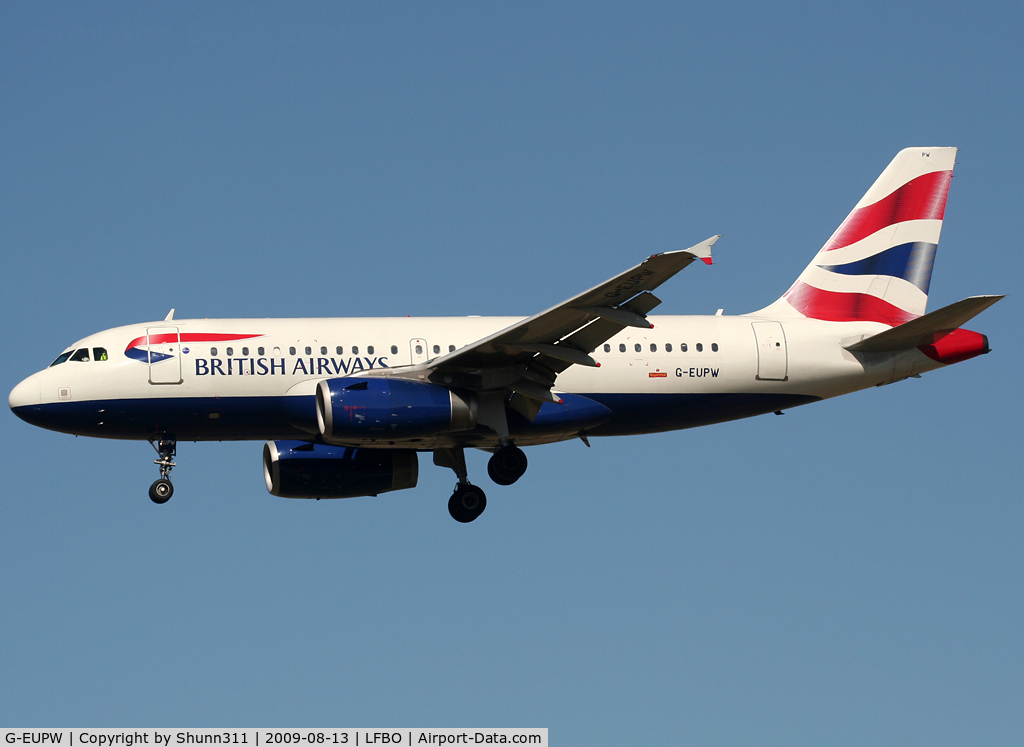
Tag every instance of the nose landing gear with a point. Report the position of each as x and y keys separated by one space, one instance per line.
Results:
x=162 y=490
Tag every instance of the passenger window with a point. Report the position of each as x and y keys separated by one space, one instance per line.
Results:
x=245 y=351
x=260 y=351
x=607 y=348
x=437 y=349
x=230 y=352
x=622 y=348
x=81 y=355
x=62 y=357
x=339 y=350
x=637 y=347
x=394 y=350
x=668 y=347
x=714 y=347
x=99 y=354
x=213 y=352
x=355 y=350
x=700 y=347
x=654 y=348
x=451 y=348
x=323 y=350
x=369 y=349
x=419 y=350
x=682 y=347
x=291 y=351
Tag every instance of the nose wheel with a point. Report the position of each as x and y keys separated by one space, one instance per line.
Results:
x=162 y=490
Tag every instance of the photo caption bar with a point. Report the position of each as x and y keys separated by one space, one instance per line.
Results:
x=270 y=737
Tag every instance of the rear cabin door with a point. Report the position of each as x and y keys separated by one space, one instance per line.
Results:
x=772 y=358
x=164 y=345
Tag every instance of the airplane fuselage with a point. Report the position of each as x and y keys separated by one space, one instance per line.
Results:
x=255 y=379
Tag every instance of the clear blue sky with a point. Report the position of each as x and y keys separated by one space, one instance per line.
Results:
x=850 y=573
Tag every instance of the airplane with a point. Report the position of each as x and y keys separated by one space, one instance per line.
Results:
x=346 y=405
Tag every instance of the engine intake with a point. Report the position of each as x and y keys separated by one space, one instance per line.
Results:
x=298 y=469
x=350 y=409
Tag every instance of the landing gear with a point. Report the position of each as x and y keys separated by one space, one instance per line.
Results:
x=507 y=465
x=467 y=503
x=162 y=490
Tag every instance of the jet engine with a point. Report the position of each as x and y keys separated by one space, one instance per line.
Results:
x=349 y=409
x=298 y=469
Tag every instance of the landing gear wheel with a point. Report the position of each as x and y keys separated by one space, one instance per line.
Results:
x=507 y=465
x=467 y=503
x=161 y=491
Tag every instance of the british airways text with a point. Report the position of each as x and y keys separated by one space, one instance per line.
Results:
x=281 y=366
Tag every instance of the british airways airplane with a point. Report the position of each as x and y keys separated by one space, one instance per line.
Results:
x=346 y=405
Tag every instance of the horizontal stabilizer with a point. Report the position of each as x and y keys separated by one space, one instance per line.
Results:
x=925 y=329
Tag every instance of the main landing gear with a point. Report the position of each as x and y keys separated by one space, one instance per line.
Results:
x=468 y=501
x=162 y=490
x=507 y=465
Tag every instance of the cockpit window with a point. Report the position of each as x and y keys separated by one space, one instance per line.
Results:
x=82 y=354
x=99 y=354
x=62 y=357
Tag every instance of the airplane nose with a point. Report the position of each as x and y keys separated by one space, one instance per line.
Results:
x=27 y=393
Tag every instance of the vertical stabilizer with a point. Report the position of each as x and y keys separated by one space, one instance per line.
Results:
x=878 y=264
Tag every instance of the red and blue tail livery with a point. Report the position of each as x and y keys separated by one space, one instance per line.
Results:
x=877 y=266
x=346 y=406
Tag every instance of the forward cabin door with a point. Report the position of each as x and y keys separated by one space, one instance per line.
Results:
x=772 y=358
x=164 y=345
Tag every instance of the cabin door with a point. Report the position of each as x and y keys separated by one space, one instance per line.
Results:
x=772 y=358
x=164 y=346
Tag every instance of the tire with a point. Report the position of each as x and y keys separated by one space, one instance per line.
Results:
x=161 y=491
x=467 y=503
x=507 y=465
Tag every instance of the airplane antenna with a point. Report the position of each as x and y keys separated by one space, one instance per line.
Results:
x=170 y=316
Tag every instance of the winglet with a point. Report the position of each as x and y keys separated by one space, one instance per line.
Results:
x=702 y=251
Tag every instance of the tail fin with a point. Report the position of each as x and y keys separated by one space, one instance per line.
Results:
x=878 y=264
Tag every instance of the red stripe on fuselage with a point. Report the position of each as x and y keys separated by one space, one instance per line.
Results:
x=187 y=337
x=923 y=198
x=831 y=306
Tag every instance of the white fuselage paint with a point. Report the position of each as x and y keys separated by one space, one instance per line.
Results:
x=815 y=364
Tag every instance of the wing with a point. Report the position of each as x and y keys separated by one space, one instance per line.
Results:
x=526 y=357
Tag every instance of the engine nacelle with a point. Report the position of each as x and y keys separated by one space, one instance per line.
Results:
x=349 y=409
x=298 y=469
